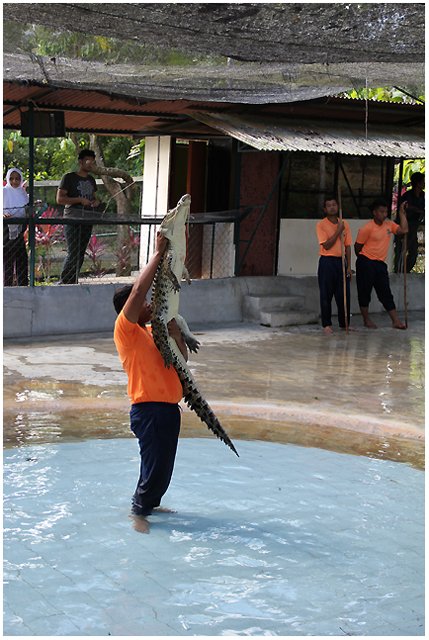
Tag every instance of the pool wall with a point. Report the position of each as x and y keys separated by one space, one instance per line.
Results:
x=85 y=308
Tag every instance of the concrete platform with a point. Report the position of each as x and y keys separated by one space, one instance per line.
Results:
x=285 y=541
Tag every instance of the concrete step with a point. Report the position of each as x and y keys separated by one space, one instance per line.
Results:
x=254 y=304
x=274 y=318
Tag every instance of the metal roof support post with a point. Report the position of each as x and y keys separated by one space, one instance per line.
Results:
x=322 y=181
x=31 y=226
x=349 y=186
x=400 y=178
x=212 y=250
x=362 y=184
x=388 y=187
x=236 y=181
x=399 y=257
x=286 y=163
x=336 y=172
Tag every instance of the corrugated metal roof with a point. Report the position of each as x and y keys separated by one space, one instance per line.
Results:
x=274 y=134
x=98 y=112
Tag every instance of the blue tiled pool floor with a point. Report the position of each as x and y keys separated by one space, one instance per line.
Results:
x=284 y=540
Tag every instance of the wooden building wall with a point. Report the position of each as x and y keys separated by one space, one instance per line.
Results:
x=258 y=175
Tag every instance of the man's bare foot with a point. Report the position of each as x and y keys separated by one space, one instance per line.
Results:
x=369 y=324
x=140 y=523
x=163 y=510
x=398 y=325
x=327 y=331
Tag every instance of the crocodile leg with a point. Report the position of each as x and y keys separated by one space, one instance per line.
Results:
x=185 y=275
x=190 y=339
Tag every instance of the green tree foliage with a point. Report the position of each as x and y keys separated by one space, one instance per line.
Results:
x=409 y=167
x=53 y=157
x=43 y=41
x=394 y=94
x=386 y=94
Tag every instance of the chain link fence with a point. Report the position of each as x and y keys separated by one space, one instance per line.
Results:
x=51 y=249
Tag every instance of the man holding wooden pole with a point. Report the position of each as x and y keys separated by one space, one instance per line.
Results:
x=335 y=242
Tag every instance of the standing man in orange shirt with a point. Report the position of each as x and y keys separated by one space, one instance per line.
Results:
x=371 y=248
x=330 y=270
x=154 y=390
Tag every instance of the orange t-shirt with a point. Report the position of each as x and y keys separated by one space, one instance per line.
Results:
x=376 y=238
x=149 y=380
x=324 y=230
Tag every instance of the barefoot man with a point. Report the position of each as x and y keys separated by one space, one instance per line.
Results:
x=154 y=390
x=371 y=248
x=331 y=231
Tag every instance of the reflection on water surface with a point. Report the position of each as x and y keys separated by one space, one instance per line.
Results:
x=362 y=393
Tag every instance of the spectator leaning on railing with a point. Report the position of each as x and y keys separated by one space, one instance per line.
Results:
x=77 y=192
x=15 y=259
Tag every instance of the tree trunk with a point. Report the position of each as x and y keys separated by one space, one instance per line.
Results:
x=122 y=197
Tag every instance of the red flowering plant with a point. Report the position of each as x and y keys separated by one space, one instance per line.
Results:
x=46 y=237
x=129 y=242
x=395 y=200
x=94 y=251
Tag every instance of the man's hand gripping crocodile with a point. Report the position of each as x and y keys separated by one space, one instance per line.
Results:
x=165 y=307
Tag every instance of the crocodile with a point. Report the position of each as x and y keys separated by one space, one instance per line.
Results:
x=165 y=306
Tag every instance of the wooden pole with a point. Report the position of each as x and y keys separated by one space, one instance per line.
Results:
x=404 y=266
x=340 y=211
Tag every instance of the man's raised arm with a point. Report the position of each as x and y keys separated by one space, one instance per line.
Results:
x=137 y=297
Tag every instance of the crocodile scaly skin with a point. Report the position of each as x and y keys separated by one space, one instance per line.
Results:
x=165 y=305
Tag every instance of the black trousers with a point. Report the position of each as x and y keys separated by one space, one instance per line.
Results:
x=77 y=238
x=330 y=277
x=157 y=426
x=372 y=274
x=15 y=259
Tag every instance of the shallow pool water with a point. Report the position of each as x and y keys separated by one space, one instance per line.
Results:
x=284 y=540
x=295 y=537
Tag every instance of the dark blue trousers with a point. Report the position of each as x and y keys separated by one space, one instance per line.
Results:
x=330 y=277
x=157 y=426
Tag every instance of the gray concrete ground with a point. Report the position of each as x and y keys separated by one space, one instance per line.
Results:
x=317 y=529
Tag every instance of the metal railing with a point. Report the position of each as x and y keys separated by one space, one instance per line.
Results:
x=52 y=249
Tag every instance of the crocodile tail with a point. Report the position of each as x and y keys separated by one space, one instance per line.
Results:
x=197 y=403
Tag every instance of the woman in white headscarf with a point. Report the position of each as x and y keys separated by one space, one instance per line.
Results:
x=15 y=258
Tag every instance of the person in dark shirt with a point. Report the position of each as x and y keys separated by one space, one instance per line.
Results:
x=77 y=193
x=415 y=205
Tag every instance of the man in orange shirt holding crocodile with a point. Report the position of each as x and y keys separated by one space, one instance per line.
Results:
x=330 y=270
x=371 y=248
x=154 y=390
